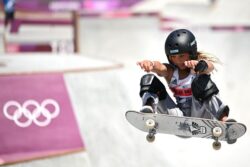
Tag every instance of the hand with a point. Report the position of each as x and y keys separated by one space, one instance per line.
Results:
x=146 y=65
x=197 y=66
x=191 y=64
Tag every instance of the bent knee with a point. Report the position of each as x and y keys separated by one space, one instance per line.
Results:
x=150 y=83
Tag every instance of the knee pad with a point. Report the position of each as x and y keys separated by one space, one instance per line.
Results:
x=150 y=83
x=203 y=87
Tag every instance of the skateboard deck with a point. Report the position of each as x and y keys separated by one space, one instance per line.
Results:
x=185 y=126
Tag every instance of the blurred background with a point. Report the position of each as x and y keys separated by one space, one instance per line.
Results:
x=92 y=47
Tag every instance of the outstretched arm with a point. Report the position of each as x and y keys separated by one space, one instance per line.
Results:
x=201 y=66
x=154 y=66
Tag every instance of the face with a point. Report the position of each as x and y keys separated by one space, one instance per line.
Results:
x=179 y=59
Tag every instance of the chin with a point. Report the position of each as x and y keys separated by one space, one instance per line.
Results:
x=182 y=67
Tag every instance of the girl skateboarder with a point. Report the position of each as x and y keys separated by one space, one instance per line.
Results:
x=188 y=77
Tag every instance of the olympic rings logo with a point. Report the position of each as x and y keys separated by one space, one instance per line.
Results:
x=16 y=112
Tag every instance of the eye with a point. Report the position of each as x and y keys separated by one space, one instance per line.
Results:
x=172 y=57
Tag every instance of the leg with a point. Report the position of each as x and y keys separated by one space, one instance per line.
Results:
x=210 y=109
x=150 y=83
x=168 y=106
x=206 y=103
x=154 y=94
x=151 y=90
x=203 y=88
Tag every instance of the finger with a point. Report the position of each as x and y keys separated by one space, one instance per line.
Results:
x=143 y=66
x=139 y=63
x=187 y=64
x=192 y=64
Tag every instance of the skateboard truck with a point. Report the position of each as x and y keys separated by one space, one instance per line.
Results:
x=217 y=132
x=152 y=125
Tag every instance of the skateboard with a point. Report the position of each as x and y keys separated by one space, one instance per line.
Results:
x=186 y=127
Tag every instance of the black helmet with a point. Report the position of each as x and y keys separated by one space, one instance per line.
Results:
x=181 y=41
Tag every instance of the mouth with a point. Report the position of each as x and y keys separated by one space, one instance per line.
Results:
x=181 y=66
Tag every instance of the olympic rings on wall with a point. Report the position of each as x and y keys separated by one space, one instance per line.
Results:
x=15 y=111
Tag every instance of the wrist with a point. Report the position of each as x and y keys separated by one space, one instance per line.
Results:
x=202 y=66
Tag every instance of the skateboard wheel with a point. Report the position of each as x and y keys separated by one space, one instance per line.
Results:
x=216 y=145
x=150 y=123
x=217 y=132
x=150 y=138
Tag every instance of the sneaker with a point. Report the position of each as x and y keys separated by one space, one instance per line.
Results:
x=146 y=109
x=148 y=106
x=231 y=141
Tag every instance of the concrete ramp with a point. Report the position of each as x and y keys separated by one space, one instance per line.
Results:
x=31 y=63
x=101 y=99
x=219 y=15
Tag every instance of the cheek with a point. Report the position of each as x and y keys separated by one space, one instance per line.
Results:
x=187 y=57
x=172 y=59
x=183 y=59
